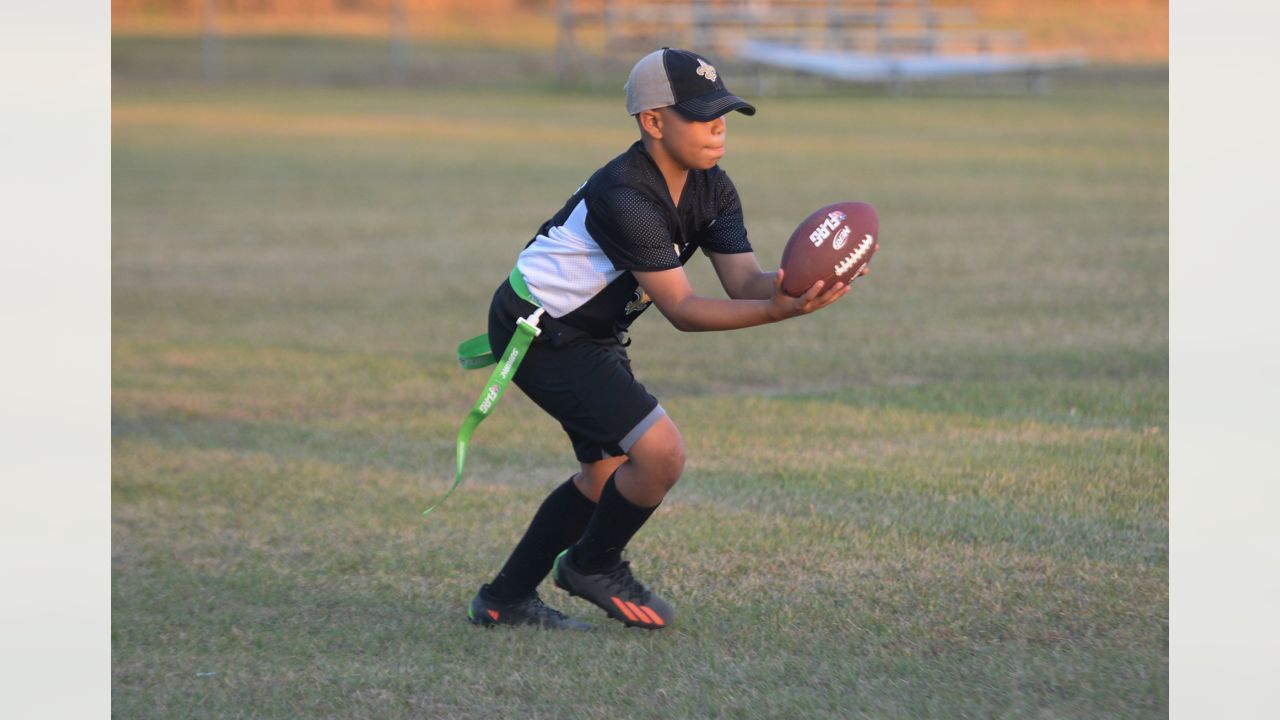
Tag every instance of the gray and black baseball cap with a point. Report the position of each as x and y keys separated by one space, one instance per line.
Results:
x=683 y=80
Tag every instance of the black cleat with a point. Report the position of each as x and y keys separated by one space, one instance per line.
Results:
x=615 y=591
x=487 y=611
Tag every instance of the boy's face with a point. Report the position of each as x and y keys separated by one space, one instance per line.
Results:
x=691 y=144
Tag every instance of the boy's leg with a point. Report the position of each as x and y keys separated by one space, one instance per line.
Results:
x=558 y=523
x=594 y=475
x=653 y=467
x=593 y=568
x=511 y=597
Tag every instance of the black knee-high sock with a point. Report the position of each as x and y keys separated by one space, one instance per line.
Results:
x=612 y=526
x=557 y=525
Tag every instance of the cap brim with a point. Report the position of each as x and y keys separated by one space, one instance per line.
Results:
x=706 y=108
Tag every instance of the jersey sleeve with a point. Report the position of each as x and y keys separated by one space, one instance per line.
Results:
x=633 y=230
x=726 y=234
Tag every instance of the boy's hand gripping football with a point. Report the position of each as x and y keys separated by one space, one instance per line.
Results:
x=816 y=297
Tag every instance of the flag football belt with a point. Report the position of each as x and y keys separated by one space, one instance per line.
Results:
x=475 y=354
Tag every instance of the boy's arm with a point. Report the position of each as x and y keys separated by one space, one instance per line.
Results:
x=672 y=293
x=741 y=276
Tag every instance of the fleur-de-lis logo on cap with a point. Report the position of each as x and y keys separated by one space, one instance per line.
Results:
x=705 y=70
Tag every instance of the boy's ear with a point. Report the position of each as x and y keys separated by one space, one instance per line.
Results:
x=650 y=122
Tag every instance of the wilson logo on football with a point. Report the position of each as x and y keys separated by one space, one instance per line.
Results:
x=823 y=231
x=841 y=237
x=854 y=258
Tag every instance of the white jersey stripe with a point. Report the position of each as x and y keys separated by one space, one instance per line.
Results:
x=566 y=267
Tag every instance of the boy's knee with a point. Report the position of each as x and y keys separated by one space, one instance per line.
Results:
x=660 y=454
x=675 y=459
x=667 y=466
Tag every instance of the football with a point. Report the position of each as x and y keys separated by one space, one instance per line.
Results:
x=834 y=243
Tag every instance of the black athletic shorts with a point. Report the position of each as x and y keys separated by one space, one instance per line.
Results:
x=583 y=382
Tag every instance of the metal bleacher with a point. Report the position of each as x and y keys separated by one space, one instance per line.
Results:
x=855 y=41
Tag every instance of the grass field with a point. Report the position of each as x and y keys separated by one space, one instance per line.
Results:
x=946 y=497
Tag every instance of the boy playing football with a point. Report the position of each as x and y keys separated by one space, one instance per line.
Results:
x=618 y=245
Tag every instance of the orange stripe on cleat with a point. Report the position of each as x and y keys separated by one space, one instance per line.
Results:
x=625 y=610
x=639 y=613
x=653 y=616
x=493 y=614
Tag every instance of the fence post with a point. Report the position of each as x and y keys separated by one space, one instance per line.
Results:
x=210 y=42
x=399 y=41
x=566 y=47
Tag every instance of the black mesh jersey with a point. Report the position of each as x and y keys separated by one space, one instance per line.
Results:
x=622 y=219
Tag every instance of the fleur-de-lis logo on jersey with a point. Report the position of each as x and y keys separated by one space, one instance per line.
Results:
x=638 y=303
x=705 y=70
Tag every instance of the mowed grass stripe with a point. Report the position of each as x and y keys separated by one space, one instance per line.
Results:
x=278 y=582
x=1071 y=490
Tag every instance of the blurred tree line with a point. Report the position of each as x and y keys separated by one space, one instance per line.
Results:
x=326 y=16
